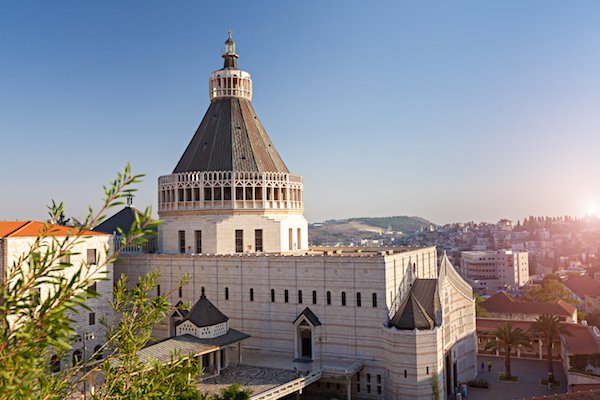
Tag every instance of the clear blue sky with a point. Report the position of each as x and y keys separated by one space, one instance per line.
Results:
x=452 y=111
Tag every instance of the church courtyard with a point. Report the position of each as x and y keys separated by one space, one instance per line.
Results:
x=529 y=372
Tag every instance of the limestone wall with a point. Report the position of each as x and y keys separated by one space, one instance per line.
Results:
x=218 y=232
x=409 y=371
x=349 y=331
x=100 y=307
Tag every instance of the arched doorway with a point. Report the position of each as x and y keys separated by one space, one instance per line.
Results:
x=305 y=340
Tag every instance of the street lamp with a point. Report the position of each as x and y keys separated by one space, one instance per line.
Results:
x=85 y=337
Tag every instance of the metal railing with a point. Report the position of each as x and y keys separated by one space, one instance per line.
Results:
x=288 y=388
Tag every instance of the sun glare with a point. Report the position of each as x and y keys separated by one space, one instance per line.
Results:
x=592 y=210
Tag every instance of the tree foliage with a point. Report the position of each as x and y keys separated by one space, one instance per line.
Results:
x=507 y=339
x=234 y=392
x=33 y=328
x=549 y=327
x=479 y=310
x=551 y=290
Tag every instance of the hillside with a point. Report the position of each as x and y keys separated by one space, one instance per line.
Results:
x=353 y=230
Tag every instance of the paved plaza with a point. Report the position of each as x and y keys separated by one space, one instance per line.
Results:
x=257 y=379
x=529 y=372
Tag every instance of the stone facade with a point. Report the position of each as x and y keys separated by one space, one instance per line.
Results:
x=352 y=294
x=218 y=232
x=85 y=321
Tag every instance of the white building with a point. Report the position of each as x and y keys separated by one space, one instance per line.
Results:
x=495 y=269
x=17 y=239
x=376 y=323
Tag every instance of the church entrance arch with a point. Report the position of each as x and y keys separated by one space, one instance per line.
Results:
x=305 y=326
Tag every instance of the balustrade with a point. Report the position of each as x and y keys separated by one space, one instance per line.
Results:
x=230 y=190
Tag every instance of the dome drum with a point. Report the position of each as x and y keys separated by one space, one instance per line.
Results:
x=230 y=83
x=221 y=190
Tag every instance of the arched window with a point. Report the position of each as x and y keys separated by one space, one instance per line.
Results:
x=77 y=357
x=251 y=294
x=358 y=300
x=286 y=296
x=374 y=299
x=158 y=290
x=180 y=292
x=314 y=299
x=202 y=291
x=343 y=298
x=55 y=363
x=328 y=298
x=272 y=295
x=226 y=293
x=299 y=296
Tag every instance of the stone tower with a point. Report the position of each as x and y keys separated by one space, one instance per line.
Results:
x=231 y=192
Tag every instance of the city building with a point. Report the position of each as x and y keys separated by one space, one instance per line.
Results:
x=367 y=323
x=17 y=239
x=503 y=306
x=501 y=269
x=586 y=290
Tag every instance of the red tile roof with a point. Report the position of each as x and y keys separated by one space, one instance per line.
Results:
x=586 y=387
x=504 y=303
x=583 y=285
x=490 y=324
x=35 y=228
x=583 y=395
x=582 y=340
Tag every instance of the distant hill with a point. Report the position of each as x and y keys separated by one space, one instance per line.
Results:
x=355 y=229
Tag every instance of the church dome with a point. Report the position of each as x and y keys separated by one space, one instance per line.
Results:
x=230 y=136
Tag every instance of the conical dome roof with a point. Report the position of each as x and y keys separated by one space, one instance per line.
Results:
x=231 y=138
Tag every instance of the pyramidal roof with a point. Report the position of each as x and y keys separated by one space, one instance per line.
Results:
x=420 y=309
x=122 y=219
x=204 y=313
x=412 y=315
x=230 y=138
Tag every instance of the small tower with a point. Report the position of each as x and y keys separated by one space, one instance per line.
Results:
x=231 y=192
x=230 y=81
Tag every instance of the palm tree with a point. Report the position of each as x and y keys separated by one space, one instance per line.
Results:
x=506 y=339
x=549 y=328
